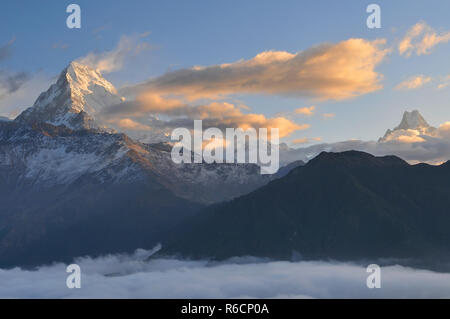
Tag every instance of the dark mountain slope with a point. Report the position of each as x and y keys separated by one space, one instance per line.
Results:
x=343 y=206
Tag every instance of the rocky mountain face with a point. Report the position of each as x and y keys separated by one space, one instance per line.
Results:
x=70 y=186
x=341 y=206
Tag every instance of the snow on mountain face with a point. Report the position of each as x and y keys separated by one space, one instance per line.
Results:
x=43 y=156
x=412 y=120
x=58 y=142
x=410 y=128
x=78 y=95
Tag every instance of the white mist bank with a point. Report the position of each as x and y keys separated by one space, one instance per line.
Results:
x=130 y=276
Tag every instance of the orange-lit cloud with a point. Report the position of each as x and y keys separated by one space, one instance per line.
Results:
x=420 y=39
x=414 y=82
x=130 y=124
x=214 y=114
x=306 y=140
x=306 y=110
x=328 y=71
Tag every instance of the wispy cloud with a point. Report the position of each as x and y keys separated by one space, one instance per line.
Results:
x=61 y=46
x=413 y=82
x=421 y=39
x=13 y=102
x=305 y=140
x=10 y=82
x=309 y=110
x=444 y=82
x=328 y=115
x=5 y=50
x=114 y=60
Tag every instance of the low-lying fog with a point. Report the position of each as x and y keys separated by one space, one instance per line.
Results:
x=133 y=276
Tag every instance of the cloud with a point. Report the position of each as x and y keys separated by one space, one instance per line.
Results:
x=10 y=82
x=114 y=60
x=306 y=110
x=421 y=39
x=306 y=140
x=5 y=50
x=24 y=93
x=444 y=82
x=61 y=46
x=130 y=124
x=328 y=115
x=405 y=136
x=130 y=276
x=431 y=147
x=214 y=114
x=302 y=140
x=413 y=82
x=328 y=71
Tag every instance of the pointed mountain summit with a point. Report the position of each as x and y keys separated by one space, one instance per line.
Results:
x=412 y=120
x=77 y=96
x=413 y=124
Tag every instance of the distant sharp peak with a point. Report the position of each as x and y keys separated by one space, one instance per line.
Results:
x=79 y=94
x=411 y=127
x=412 y=120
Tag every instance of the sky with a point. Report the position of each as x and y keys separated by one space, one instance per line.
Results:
x=198 y=57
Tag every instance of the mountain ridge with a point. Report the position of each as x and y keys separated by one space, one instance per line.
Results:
x=328 y=209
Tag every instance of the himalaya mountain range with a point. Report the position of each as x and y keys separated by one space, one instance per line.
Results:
x=71 y=186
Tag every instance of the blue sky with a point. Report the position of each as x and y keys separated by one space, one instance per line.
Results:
x=183 y=34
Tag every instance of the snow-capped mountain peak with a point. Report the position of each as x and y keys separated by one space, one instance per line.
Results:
x=77 y=96
x=412 y=121
x=412 y=126
x=83 y=77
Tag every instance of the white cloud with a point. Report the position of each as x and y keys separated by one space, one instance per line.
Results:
x=114 y=60
x=125 y=276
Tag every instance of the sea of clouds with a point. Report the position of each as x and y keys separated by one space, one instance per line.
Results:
x=134 y=276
